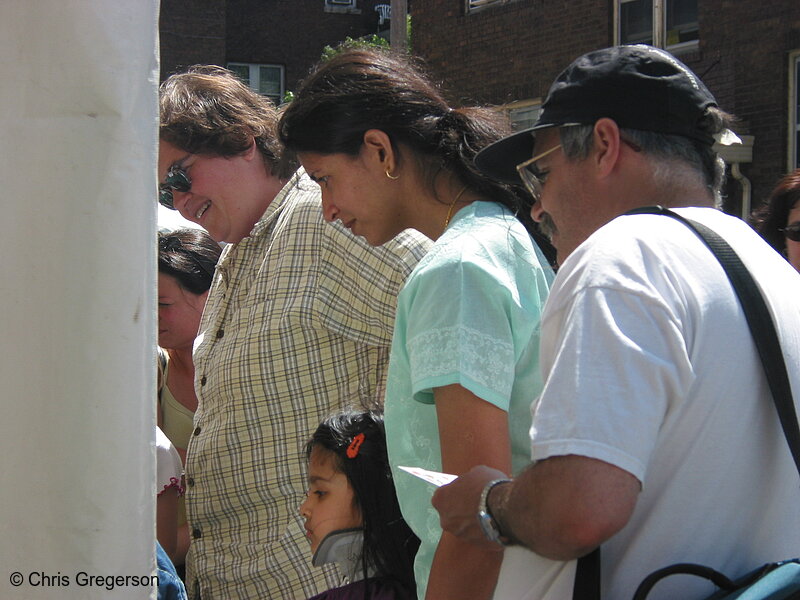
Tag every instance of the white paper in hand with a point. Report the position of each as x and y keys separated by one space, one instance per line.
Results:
x=437 y=479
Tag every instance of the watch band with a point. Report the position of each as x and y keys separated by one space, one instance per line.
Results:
x=488 y=524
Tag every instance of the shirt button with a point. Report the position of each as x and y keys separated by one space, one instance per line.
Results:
x=197 y=431
x=190 y=481
x=220 y=333
x=203 y=380
x=196 y=533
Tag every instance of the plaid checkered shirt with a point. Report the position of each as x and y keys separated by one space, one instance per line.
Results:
x=298 y=323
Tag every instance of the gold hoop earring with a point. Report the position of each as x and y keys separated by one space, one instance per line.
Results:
x=390 y=176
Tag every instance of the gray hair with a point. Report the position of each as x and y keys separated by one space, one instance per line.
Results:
x=669 y=155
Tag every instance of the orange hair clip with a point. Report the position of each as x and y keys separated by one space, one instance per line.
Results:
x=355 y=445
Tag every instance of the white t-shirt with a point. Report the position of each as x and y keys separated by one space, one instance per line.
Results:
x=649 y=366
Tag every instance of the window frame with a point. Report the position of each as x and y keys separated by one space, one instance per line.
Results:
x=532 y=106
x=254 y=81
x=342 y=6
x=476 y=6
x=659 y=33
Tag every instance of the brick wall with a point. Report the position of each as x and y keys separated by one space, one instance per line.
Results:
x=508 y=52
x=291 y=33
x=191 y=32
x=746 y=47
x=514 y=51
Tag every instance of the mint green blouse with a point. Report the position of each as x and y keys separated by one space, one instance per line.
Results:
x=468 y=314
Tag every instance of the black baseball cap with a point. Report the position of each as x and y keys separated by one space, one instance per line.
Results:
x=639 y=87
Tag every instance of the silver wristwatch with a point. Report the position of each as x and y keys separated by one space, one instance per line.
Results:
x=485 y=518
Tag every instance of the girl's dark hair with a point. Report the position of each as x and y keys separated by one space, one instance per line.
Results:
x=362 y=89
x=389 y=544
x=771 y=217
x=190 y=256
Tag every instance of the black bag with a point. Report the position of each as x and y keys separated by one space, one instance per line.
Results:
x=772 y=581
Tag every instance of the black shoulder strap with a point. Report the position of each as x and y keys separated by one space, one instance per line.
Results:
x=587 y=577
x=759 y=320
x=762 y=328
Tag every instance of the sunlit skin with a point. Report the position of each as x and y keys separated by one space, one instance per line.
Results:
x=792 y=247
x=556 y=209
x=179 y=313
x=380 y=191
x=228 y=195
x=330 y=502
x=357 y=195
x=580 y=196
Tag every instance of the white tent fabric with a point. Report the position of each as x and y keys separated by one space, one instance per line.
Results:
x=77 y=298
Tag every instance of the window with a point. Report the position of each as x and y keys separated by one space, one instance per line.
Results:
x=523 y=114
x=476 y=5
x=341 y=6
x=794 y=110
x=670 y=24
x=384 y=13
x=267 y=80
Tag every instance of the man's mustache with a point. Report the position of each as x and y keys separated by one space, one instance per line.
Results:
x=547 y=227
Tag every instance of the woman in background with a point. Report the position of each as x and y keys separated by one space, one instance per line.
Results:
x=778 y=219
x=186 y=261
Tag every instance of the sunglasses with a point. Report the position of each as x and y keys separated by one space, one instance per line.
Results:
x=792 y=232
x=177 y=180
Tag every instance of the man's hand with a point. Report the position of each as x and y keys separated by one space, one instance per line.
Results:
x=457 y=504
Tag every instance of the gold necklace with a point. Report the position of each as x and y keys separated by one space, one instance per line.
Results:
x=452 y=204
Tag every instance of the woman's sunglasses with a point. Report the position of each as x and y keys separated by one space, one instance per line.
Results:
x=792 y=231
x=178 y=180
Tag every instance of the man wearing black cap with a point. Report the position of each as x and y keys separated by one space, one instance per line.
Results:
x=655 y=434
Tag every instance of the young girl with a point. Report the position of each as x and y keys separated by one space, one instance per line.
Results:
x=351 y=511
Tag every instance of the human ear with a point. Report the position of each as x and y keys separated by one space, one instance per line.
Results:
x=606 y=146
x=377 y=147
x=251 y=151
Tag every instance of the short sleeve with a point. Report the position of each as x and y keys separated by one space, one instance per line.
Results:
x=169 y=470
x=615 y=358
x=459 y=330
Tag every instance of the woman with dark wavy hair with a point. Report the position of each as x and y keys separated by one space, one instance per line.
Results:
x=778 y=219
x=390 y=153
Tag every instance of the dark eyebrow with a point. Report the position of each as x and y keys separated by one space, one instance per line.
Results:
x=314 y=478
x=180 y=161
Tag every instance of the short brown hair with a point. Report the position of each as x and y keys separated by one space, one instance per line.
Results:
x=772 y=216
x=209 y=110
